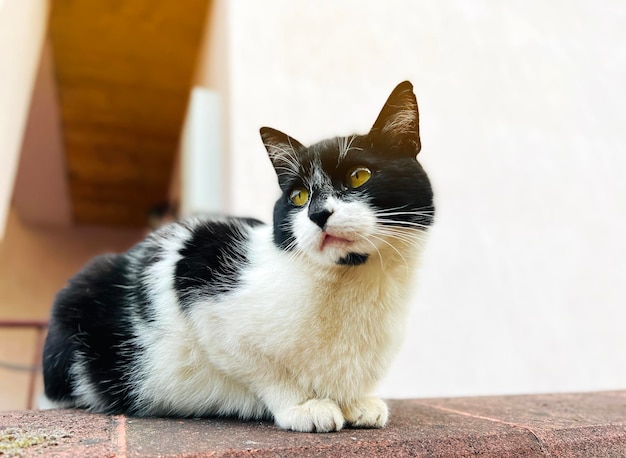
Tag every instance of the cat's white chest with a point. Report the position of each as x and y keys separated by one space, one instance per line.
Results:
x=333 y=329
x=327 y=333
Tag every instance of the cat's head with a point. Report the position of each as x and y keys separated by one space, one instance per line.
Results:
x=348 y=199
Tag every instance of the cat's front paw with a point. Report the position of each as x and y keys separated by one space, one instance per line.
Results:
x=367 y=412
x=315 y=415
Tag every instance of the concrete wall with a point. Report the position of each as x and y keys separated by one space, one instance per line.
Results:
x=522 y=287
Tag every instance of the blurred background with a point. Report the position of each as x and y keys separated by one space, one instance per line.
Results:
x=116 y=115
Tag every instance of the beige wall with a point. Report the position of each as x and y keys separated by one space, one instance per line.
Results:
x=41 y=192
x=36 y=262
x=22 y=29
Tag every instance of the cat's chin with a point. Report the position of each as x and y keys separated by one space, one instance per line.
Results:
x=333 y=250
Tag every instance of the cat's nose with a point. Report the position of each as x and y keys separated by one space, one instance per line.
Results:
x=320 y=217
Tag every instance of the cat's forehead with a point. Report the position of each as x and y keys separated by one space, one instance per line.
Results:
x=330 y=154
x=324 y=164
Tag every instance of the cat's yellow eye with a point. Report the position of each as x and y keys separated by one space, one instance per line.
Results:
x=358 y=176
x=299 y=197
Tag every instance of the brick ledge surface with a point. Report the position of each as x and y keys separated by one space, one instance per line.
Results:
x=558 y=425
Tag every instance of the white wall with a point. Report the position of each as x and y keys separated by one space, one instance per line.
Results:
x=523 y=286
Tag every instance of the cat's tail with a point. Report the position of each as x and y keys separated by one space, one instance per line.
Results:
x=58 y=355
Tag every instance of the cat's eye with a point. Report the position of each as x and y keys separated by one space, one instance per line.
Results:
x=299 y=197
x=358 y=176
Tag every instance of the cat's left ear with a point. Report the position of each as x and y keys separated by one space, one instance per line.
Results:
x=398 y=121
x=282 y=150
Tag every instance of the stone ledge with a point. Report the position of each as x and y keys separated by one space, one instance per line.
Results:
x=560 y=425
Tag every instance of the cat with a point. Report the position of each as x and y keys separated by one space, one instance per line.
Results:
x=295 y=321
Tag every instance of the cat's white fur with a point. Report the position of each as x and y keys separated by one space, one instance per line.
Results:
x=304 y=340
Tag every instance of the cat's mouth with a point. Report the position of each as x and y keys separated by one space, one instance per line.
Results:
x=333 y=240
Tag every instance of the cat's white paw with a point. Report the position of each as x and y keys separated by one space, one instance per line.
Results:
x=367 y=412
x=315 y=415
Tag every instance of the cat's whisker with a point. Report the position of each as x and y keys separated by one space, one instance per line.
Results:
x=404 y=233
x=345 y=145
x=380 y=256
x=341 y=143
x=422 y=208
x=405 y=238
x=409 y=216
x=393 y=222
x=391 y=208
x=407 y=213
x=407 y=233
x=287 y=156
x=381 y=239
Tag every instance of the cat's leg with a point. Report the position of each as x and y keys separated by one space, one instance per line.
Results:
x=366 y=412
x=295 y=411
x=314 y=415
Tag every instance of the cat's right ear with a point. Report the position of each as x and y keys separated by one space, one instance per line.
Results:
x=282 y=150
x=398 y=121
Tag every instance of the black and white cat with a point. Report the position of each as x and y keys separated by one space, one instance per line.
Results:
x=295 y=321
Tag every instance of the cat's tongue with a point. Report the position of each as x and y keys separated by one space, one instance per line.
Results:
x=328 y=239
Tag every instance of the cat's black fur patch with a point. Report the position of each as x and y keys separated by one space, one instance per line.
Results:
x=353 y=259
x=283 y=237
x=84 y=314
x=211 y=260
x=145 y=255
